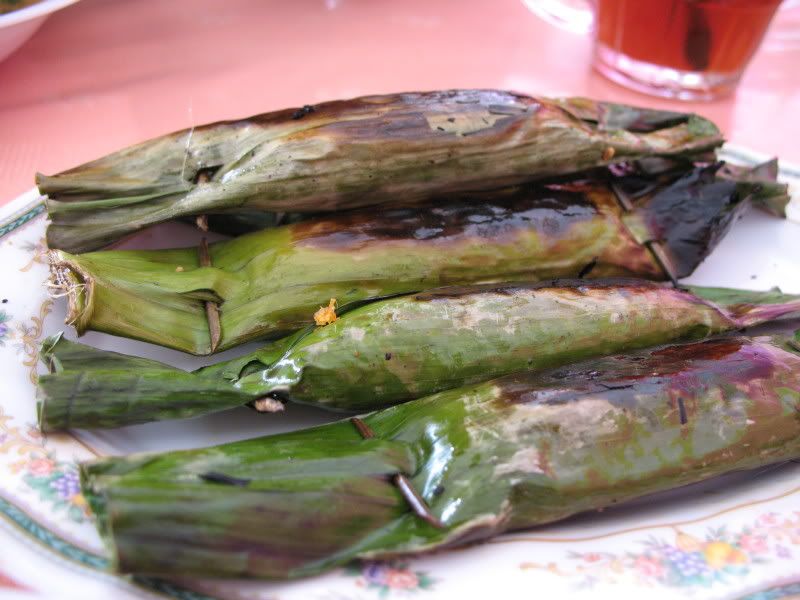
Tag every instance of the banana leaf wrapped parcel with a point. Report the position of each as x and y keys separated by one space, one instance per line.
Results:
x=632 y=179
x=368 y=151
x=498 y=456
x=269 y=283
x=399 y=349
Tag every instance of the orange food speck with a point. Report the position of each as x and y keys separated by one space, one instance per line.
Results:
x=326 y=314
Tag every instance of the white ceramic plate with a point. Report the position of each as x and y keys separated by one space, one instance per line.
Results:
x=734 y=537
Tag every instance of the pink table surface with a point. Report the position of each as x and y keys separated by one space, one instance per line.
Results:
x=101 y=75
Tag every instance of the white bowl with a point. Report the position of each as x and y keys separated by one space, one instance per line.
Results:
x=18 y=25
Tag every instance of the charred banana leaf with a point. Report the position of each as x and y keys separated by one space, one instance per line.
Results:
x=374 y=150
x=399 y=349
x=635 y=180
x=269 y=283
x=499 y=456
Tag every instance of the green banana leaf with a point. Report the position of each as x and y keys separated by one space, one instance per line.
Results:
x=399 y=349
x=499 y=456
x=369 y=151
x=637 y=178
x=268 y=284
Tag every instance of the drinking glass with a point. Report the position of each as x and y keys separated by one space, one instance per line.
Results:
x=687 y=49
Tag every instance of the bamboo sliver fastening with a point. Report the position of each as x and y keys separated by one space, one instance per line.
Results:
x=657 y=250
x=654 y=246
x=212 y=310
x=415 y=501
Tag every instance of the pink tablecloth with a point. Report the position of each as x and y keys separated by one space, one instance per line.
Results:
x=100 y=75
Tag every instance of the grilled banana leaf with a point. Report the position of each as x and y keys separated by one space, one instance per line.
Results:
x=399 y=349
x=268 y=284
x=374 y=150
x=637 y=178
x=500 y=456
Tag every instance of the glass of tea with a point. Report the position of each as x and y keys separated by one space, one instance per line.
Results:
x=687 y=49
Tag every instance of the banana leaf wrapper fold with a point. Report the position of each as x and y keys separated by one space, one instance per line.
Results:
x=369 y=151
x=399 y=349
x=269 y=283
x=499 y=456
x=636 y=178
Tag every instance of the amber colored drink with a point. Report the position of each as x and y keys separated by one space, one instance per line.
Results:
x=713 y=37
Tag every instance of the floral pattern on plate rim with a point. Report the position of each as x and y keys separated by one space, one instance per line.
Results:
x=390 y=577
x=26 y=337
x=685 y=560
x=5 y=328
x=55 y=481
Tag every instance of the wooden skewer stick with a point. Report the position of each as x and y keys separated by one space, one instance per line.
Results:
x=412 y=497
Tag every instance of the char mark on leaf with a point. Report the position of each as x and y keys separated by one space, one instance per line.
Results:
x=222 y=478
x=301 y=112
x=587 y=268
x=682 y=411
